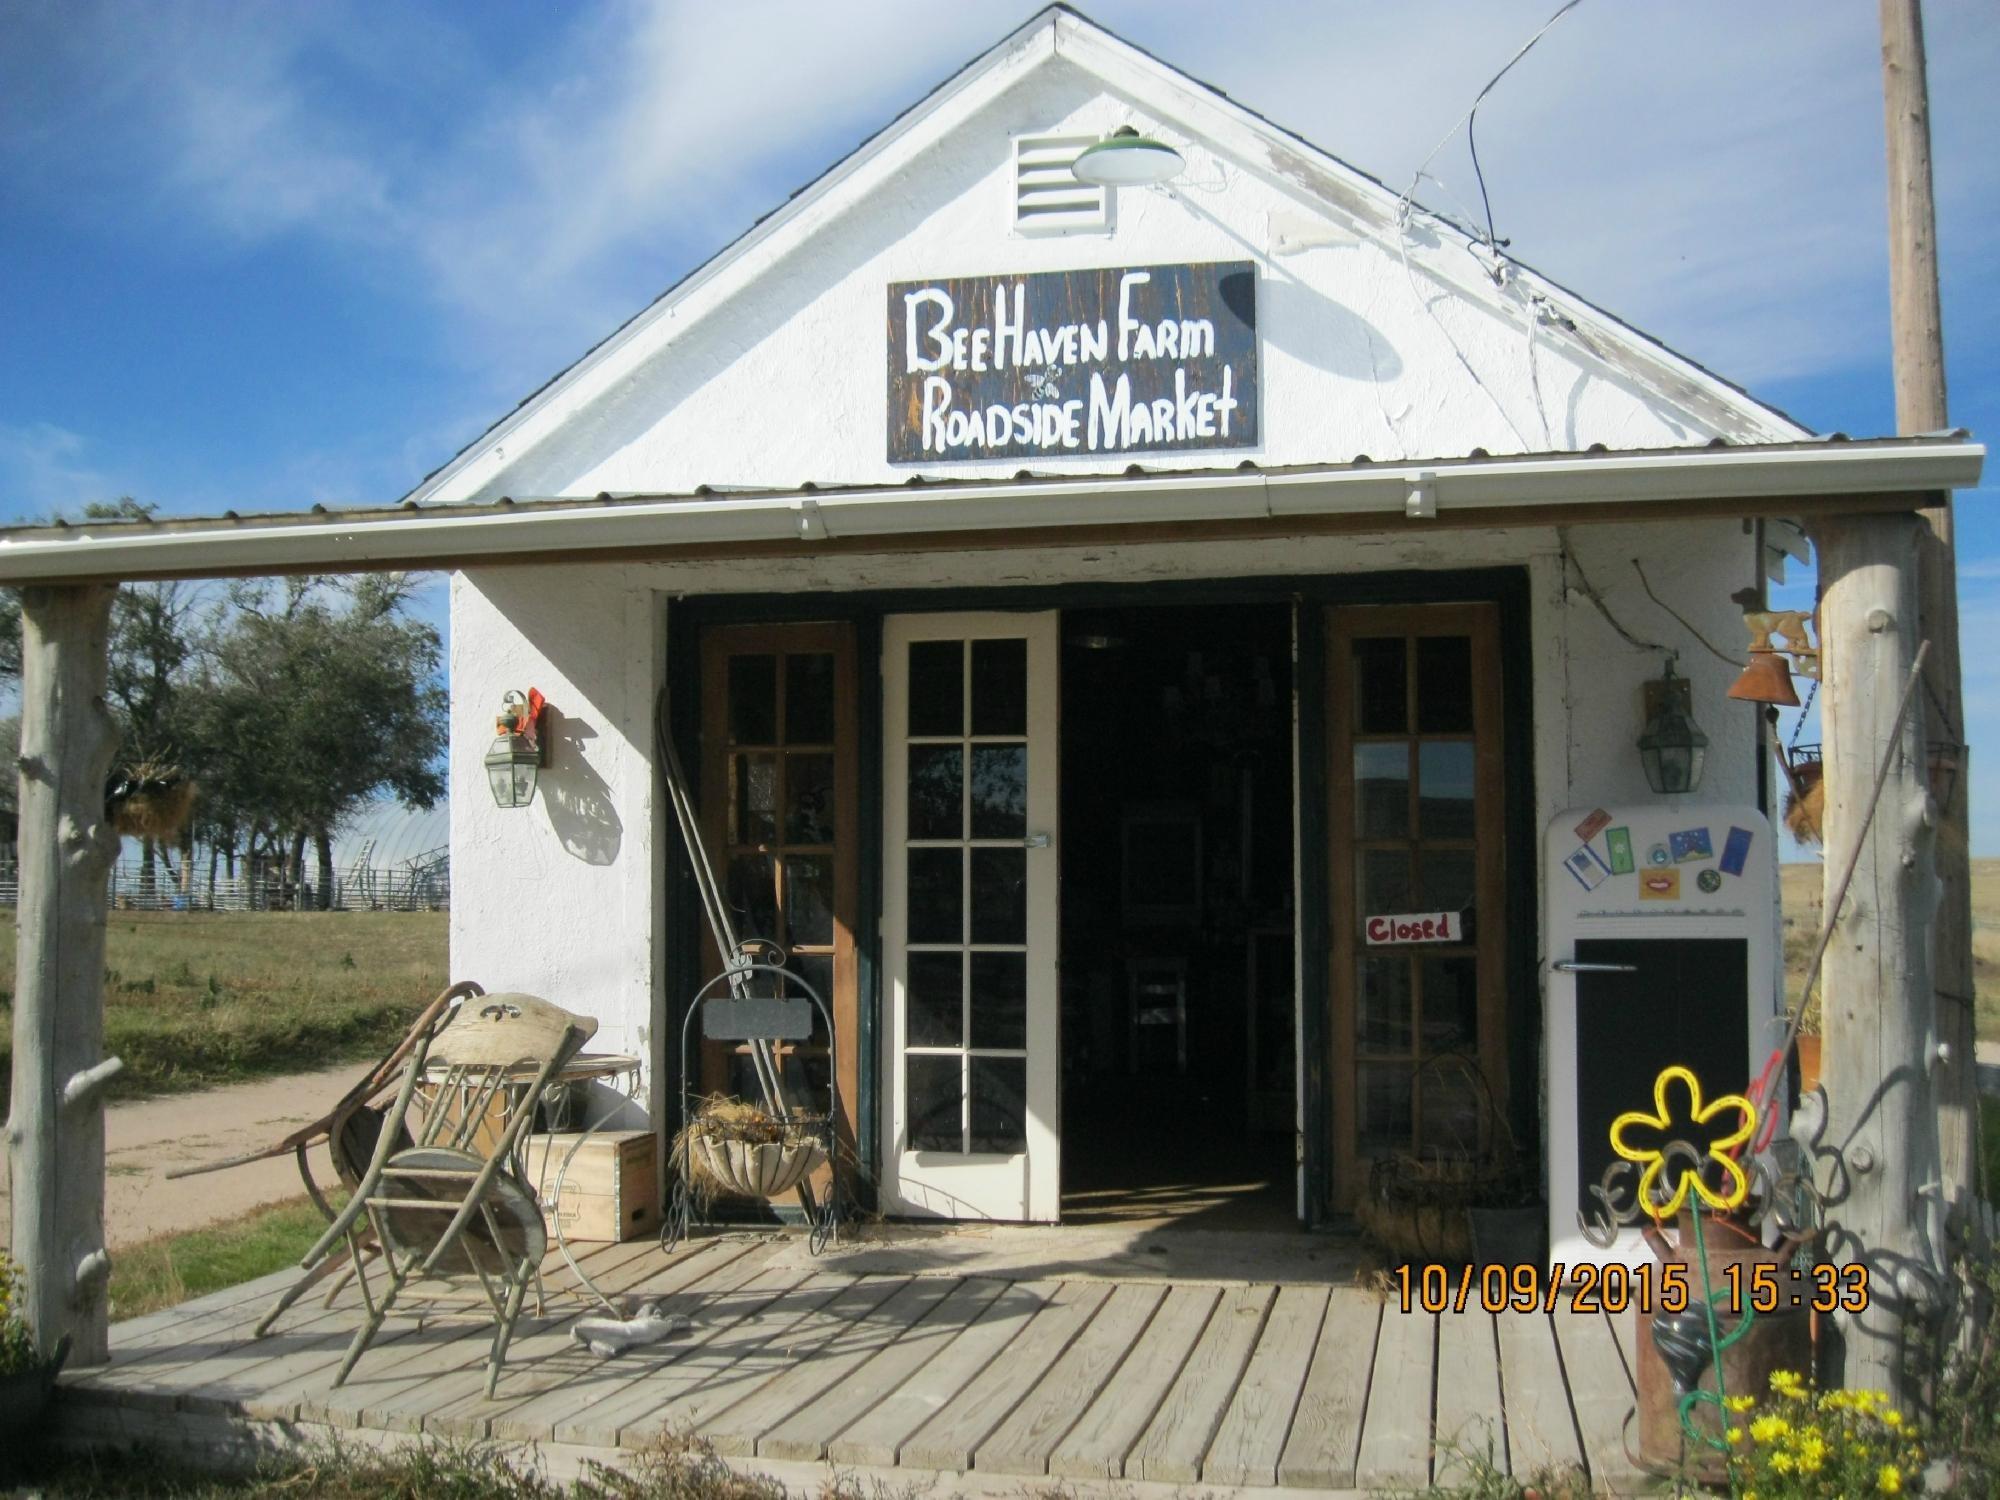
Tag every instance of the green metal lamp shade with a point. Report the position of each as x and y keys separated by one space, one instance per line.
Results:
x=1126 y=158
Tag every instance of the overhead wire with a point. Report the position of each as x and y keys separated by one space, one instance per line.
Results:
x=1496 y=270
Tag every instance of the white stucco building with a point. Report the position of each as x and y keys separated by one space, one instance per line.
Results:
x=1079 y=741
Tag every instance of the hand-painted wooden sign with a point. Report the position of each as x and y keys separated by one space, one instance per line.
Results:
x=1143 y=359
x=1422 y=927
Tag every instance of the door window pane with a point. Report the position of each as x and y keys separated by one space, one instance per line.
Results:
x=999 y=999
x=753 y=700
x=1445 y=788
x=809 y=699
x=937 y=687
x=1451 y=1108
x=753 y=799
x=1382 y=1019
x=1381 y=700
x=1382 y=1108
x=1444 y=684
x=816 y=969
x=937 y=1102
x=999 y=895
x=1000 y=1105
x=937 y=1008
x=937 y=791
x=937 y=896
x=1000 y=687
x=1451 y=1003
x=1382 y=791
x=1447 y=883
x=1383 y=883
x=809 y=900
x=753 y=895
x=809 y=798
x=999 y=791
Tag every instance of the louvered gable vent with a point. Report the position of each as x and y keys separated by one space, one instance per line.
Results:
x=1047 y=197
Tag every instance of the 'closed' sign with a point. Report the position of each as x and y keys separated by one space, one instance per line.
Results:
x=1418 y=927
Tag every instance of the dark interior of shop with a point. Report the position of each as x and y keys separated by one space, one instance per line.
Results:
x=1177 y=919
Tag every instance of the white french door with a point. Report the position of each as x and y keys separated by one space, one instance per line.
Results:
x=970 y=916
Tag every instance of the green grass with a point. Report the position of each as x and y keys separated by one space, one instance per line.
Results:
x=670 y=1470
x=170 y=1269
x=1803 y=902
x=197 y=999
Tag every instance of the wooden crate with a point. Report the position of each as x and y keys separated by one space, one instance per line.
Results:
x=611 y=1190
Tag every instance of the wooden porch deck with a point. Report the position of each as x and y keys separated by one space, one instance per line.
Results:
x=1247 y=1384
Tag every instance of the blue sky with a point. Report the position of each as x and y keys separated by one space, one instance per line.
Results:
x=261 y=256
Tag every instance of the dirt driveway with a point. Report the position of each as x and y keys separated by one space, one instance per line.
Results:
x=146 y=1139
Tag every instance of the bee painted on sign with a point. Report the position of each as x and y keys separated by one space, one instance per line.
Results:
x=1143 y=359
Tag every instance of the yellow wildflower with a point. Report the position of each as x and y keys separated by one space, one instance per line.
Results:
x=1892 y=1417
x=1769 y=1428
x=1787 y=1383
x=1735 y=1434
x=1740 y=1403
x=1890 y=1480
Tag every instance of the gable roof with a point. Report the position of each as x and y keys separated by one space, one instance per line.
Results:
x=1280 y=157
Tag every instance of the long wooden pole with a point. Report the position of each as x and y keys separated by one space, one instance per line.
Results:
x=1917 y=338
x=1883 y=1205
x=55 y=1133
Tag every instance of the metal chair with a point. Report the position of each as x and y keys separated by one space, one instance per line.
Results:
x=350 y=1130
x=445 y=1194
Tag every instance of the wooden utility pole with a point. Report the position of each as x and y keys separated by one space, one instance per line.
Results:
x=1882 y=1127
x=1917 y=338
x=55 y=1133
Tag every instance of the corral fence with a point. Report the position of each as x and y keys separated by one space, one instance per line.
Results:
x=422 y=883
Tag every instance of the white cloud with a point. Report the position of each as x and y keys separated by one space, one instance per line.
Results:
x=1710 y=171
x=44 y=469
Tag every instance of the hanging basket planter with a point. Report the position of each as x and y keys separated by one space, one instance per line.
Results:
x=151 y=801
x=735 y=1149
x=769 y=1170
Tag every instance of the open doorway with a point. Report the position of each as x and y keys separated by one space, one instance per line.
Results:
x=1178 y=916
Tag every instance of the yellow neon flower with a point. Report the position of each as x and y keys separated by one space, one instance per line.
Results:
x=1654 y=1160
x=1892 y=1418
x=1890 y=1480
x=1768 y=1429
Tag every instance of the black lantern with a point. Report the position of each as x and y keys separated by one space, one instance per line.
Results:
x=1672 y=748
x=520 y=749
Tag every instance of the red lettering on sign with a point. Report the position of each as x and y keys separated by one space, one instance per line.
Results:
x=1417 y=927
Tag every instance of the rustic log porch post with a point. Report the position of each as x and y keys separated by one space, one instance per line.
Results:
x=55 y=1133
x=1884 y=1195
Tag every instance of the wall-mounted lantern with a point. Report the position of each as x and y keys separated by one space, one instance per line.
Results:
x=1672 y=747
x=520 y=748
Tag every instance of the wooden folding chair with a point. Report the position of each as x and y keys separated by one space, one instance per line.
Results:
x=445 y=1195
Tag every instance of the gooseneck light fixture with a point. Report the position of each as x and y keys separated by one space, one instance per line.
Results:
x=1126 y=158
x=520 y=748
x=1672 y=747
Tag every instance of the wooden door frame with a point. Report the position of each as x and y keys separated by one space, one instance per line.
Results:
x=837 y=638
x=1482 y=623
x=1505 y=585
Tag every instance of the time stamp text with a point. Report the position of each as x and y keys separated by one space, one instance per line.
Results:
x=1646 y=1289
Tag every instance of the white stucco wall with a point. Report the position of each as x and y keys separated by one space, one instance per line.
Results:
x=561 y=899
x=565 y=899
x=1366 y=347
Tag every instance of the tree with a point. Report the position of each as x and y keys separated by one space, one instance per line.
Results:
x=314 y=696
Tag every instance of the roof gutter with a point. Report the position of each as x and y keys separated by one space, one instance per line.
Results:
x=1399 y=494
